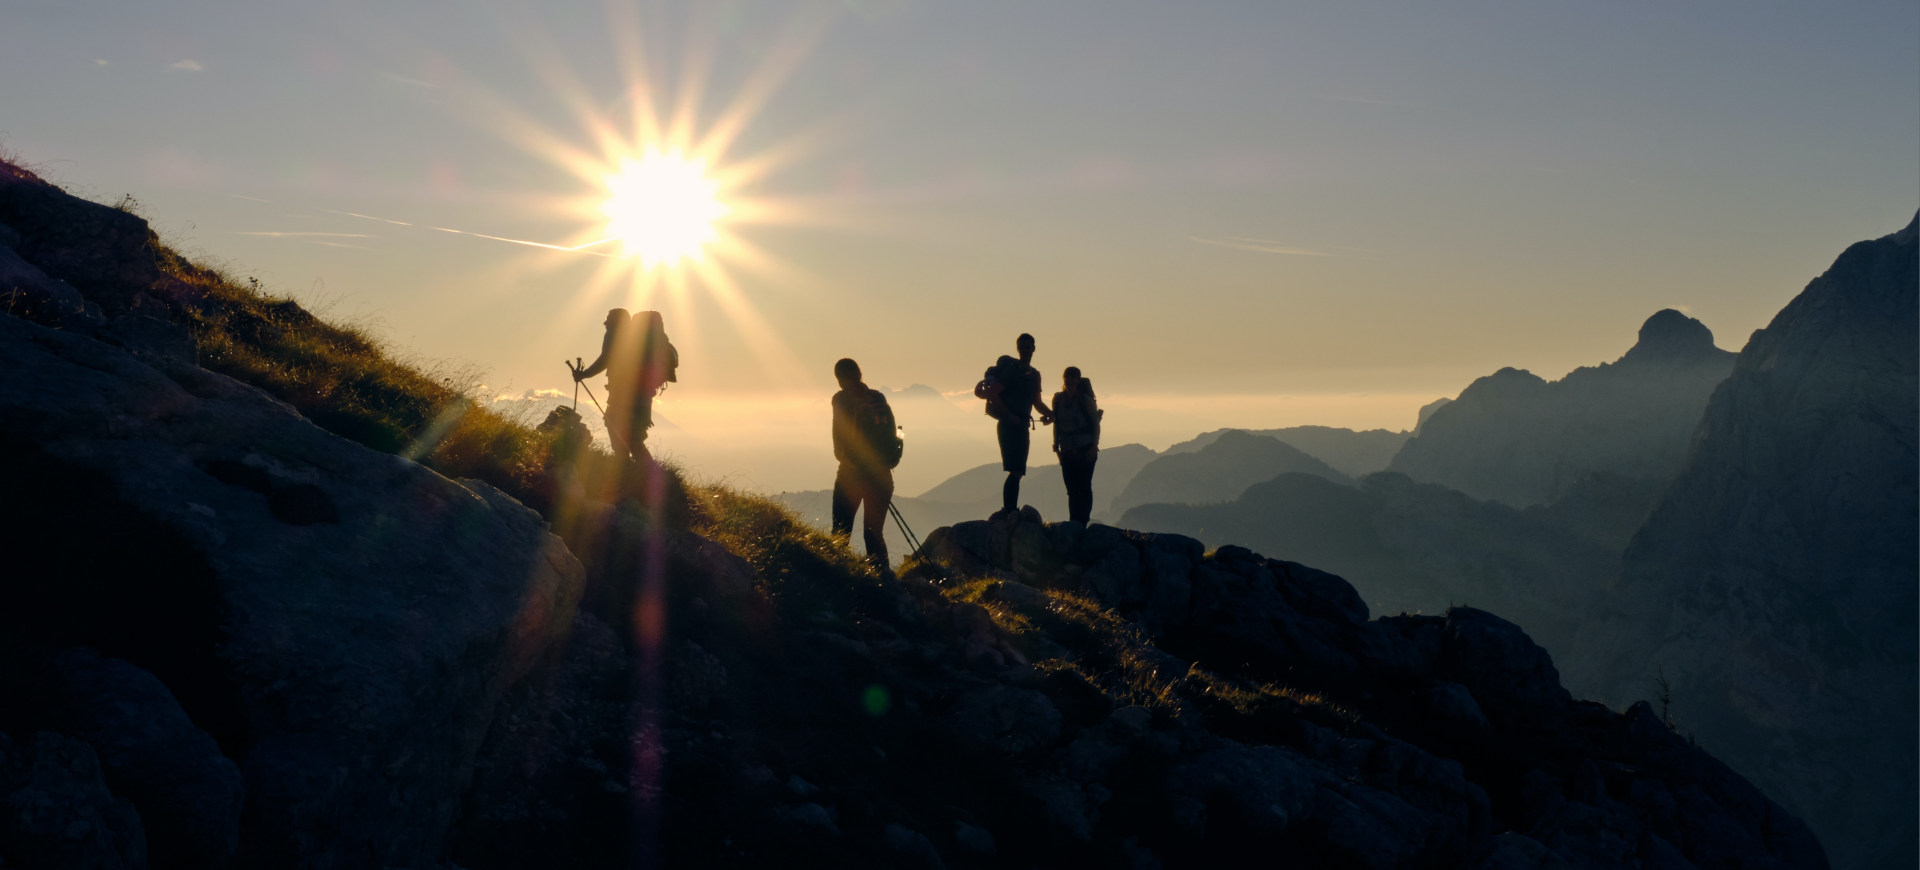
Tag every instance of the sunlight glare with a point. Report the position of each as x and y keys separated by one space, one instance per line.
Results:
x=662 y=208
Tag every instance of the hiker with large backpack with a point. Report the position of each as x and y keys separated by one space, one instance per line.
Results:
x=1076 y=437
x=1011 y=389
x=868 y=445
x=639 y=362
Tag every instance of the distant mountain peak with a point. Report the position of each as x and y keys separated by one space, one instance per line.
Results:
x=1672 y=337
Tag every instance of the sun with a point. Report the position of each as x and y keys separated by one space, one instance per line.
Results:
x=662 y=207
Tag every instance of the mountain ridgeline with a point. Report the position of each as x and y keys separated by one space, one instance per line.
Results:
x=1514 y=438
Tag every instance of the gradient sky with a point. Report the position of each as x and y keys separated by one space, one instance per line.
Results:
x=1251 y=214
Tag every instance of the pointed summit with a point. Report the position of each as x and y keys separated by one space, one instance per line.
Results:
x=1671 y=337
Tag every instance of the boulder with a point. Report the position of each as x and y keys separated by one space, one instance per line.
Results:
x=188 y=794
x=56 y=811
x=1511 y=677
x=361 y=660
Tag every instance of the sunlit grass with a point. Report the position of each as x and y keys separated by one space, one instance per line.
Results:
x=350 y=383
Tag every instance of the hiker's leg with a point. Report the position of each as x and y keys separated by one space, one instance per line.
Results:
x=843 y=505
x=1078 y=467
x=1014 y=441
x=1067 y=478
x=619 y=426
x=642 y=421
x=878 y=495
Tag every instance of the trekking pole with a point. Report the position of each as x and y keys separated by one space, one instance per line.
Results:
x=574 y=367
x=596 y=402
x=913 y=540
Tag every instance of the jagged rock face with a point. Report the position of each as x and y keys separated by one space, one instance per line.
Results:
x=1775 y=584
x=1217 y=472
x=343 y=621
x=1515 y=438
x=1458 y=745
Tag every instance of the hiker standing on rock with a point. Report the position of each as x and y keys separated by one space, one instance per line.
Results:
x=1076 y=437
x=868 y=445
x=639 y=362
x=1012 y=391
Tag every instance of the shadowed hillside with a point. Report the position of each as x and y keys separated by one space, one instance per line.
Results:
x=252 y=620
x=1414 y=548
x=1354 y=454
x=1218 y=472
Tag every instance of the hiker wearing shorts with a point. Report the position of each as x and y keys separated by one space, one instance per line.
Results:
x=639 y=362
x=867 y=446
x=1076 y=438
x=1016 y=391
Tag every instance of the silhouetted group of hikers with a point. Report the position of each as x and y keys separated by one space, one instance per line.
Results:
x=639 y=362
x=868 y=444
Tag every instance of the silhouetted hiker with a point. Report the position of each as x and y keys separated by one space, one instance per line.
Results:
x=1076 y=437
x=1012 y=390
x=868 y=446
x=639 y=362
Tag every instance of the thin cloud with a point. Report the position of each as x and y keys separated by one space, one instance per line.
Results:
x=186 y=65
x=101 y=61
x=249 y=198
x=1261 y=246
x=275 y=235
x=368 y=217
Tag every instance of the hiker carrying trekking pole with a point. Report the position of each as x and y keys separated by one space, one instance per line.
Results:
x=1011 y=389
x=868 y=444
x=639 y=362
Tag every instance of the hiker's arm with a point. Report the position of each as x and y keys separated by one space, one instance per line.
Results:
x=600 y=363
x=840 y=425
x=1046 y=413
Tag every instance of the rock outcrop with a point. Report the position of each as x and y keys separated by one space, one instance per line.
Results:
x=1515 y=438
x=1775 y=584
x=1440 y=740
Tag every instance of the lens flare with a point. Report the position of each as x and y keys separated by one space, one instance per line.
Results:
x=662 y=208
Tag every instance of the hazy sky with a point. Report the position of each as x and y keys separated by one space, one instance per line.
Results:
x=1225 y=213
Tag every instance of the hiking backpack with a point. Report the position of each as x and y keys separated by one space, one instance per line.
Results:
x=1076 y=423
x=873 y=419
x=989 y=389
x=1005 y=372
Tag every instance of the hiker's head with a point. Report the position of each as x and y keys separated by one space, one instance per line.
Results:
x=1024 y=344
x=617 y=318
x=651 y=320
x=848 y=372
x=1071 y=377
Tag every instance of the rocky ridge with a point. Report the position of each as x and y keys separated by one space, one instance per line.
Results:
x=237 y=638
